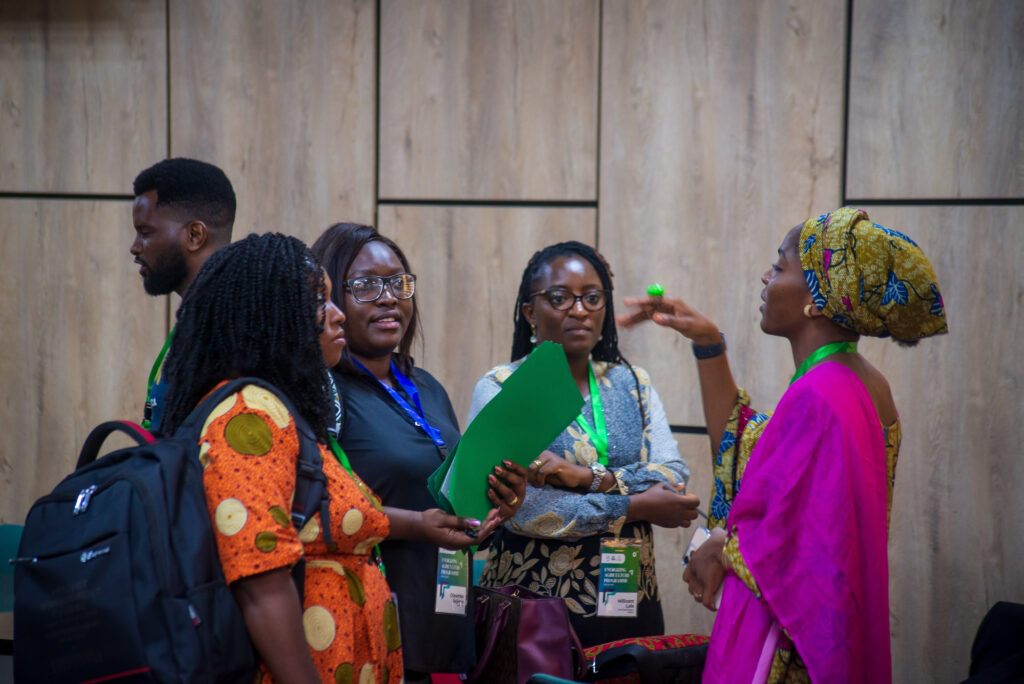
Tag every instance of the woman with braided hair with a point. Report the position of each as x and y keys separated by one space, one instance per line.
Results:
x=802 y=495
x=262 y=307
x=612 y=473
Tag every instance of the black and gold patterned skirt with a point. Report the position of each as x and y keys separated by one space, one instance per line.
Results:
x=572 y=570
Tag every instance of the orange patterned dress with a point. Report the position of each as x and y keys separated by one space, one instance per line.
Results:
x=248 y=448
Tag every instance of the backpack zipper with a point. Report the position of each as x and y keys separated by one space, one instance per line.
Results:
x=84 y=497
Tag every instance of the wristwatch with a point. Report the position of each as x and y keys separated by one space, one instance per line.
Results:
x=708 y=351
x=599 y=470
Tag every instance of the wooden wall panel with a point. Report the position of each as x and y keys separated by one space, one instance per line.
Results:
x=936 y=99
x=80 y=336
x=682 y=614
x=83 y=93
x=486 y=100
x=469 y=261
x=280 y=95
x=956 y=542
x=720 y=130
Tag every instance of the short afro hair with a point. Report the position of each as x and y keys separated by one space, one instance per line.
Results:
x=196 y=187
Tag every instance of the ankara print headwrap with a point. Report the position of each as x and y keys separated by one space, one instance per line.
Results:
x=870 y=279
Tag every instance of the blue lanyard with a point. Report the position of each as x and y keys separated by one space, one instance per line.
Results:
x=418 y=417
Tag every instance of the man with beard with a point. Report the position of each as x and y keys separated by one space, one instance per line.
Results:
x=183 y=212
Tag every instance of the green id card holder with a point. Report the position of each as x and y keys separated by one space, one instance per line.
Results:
x=451 y=591
x=617 y=594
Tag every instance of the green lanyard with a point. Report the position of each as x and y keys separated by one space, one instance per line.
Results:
x=148 y=411
x=820 y=353
x=599 y=436
x=339 y=454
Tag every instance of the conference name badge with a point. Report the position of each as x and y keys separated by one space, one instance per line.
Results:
x=620 y=577
x=452 y=589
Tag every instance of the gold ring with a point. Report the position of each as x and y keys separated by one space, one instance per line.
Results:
x=537 y=463
x=514 y=501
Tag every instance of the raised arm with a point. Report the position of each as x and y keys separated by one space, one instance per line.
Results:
x=718 y=389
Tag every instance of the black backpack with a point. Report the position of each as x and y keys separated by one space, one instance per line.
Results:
x=117 y=576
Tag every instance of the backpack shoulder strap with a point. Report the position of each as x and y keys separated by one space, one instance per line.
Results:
x=311 y=494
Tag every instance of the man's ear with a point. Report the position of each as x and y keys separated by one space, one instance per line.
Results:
x=197 y=236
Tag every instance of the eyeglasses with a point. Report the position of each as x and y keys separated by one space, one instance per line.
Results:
x=366 y=289
x=561 y=299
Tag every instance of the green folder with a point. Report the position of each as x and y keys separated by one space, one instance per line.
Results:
x=534 y=406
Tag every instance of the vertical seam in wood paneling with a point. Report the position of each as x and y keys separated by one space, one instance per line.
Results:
x=168 y=310
x=167 y=71
x=597 y=151
x=376 y=121
x=846 y=103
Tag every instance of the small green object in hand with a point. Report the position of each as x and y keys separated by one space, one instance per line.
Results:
x=655 y=290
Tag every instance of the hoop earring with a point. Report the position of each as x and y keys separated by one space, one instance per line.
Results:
x=533 y=334
x=807 y=310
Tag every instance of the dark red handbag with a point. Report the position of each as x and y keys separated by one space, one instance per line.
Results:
x=520 y=633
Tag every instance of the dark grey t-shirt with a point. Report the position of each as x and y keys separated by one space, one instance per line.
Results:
x=394 y=457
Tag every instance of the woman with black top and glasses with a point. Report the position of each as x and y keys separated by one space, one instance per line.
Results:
x=397 y=426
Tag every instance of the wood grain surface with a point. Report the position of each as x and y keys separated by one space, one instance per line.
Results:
x=721 y=129
x=80 y=336
x=280 y=95
x=488 y=100
x=83 y=94
x=936 y=99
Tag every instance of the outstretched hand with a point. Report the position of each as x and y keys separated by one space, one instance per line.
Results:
x=670 y=312
x=454 y=532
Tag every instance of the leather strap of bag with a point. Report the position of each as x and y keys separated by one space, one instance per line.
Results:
x=497 y=627
x=578 y=655
x=495 y=607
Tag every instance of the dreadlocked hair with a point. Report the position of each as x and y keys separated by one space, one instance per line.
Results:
x=255 y=309
x=607 y=347
x=336 y=249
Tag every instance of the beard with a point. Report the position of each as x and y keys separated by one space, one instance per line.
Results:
x=166 y=274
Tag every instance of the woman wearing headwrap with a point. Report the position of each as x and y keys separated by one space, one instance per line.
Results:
x=800 y=502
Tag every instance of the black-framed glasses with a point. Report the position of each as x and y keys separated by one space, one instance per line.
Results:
x=368 y=289
x=561 y=299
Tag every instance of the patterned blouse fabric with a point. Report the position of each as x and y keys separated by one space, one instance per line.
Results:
x=870 y=279
x=248 y=449
x=553 y=544
x=743 y=431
